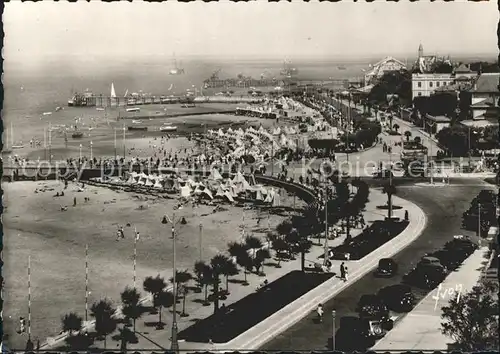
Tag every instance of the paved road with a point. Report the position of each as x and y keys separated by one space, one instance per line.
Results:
x=444 y=207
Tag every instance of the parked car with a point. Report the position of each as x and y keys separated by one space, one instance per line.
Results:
x=387 y=267
x=353 y=335
x=450 y=258
x=372 y=307
x=398 y=297
x=425 y=276
x=428 y=260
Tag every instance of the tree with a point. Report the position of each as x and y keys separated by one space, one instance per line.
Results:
x=182 y=277
x=253 y=243
x=71 y=322
x=236 y=249
x=229 y=269
x=279 y=246
x=390 y=190
x=207 y=279
x=199 y=268
x=103 y=312
x=260 y=258
x=184 y=291
x=395 y=127
x=154 y=286
x=131 y=307
x=471 y=319
x=246 y=262
x=217 y=264
x=417 y=140
x=407 y=135
x=163 y=299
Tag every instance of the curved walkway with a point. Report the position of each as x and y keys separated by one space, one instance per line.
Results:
x=268 y=329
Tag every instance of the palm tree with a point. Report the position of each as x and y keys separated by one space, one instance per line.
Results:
x=184 y=290
x=236 y=249
x=260 y=257
x=163 y=299
x=280 y=246
x=407 y=135
x=103 y=312
x=246 y=262
x=206 y=279
x=229 y=269
x=217 y=264
x=199 y=268
x=154 y=286
x=390 y=190
x=395 y=127
x=71 y=322
x=131 y=308
x=181 y=278
x=253 y=243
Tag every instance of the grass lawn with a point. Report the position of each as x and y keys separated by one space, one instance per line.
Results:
x=35 y=225
x=373 y=237
x=254 y=308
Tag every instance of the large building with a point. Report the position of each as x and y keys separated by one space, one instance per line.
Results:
x=485 y=94
x=387 y=64
x=426 y=84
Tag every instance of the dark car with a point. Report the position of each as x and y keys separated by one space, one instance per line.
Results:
x=398 y=297
x=353 y=335
x=387 y=267
x=426 y=276
x=372 y=307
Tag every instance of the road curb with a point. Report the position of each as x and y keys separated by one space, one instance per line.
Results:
x=272 y=326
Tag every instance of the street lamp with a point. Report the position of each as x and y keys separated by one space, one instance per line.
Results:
x=175 y=343
x=91 y=155
x=80 y=152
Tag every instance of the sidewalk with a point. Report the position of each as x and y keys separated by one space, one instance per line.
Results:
x=421 y=328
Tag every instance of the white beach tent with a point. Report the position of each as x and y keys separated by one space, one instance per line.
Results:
x=158 y=183
x=185 y=191
x=215 y=175
x=150 y=181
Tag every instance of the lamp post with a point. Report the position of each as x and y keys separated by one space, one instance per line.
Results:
x=175 y=343
x=91 y=154
x=334 y=315
x=124 y=141
x=479 y=220
x=80 y=152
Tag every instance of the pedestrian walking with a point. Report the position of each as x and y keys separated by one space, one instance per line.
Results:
x=343 y=271
x=320 y=312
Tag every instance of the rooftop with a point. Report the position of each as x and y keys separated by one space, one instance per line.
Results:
x=487 y=83
x=463 y=69
x=438 y=119
x=479 y=123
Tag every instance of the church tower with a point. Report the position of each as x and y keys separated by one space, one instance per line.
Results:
x=420 y=51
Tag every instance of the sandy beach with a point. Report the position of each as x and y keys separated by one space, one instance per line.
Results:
x=56 y=241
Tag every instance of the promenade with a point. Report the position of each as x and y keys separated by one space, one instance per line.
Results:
x=421 y=328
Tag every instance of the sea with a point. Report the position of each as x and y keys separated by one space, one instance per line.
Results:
x=29 y=92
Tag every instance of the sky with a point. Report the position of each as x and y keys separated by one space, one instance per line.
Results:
x=54 y=30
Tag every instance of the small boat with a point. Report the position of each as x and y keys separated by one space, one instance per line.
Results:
x=58 y=109
x=138 y=128
x=136 y=122
x=341 y=67
x=77 y=135
x=17 y=146
x=47 y=113
x=168 y=128
x=100 y=109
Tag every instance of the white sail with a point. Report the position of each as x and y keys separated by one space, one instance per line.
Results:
x=113 y=93
x=126 y=92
